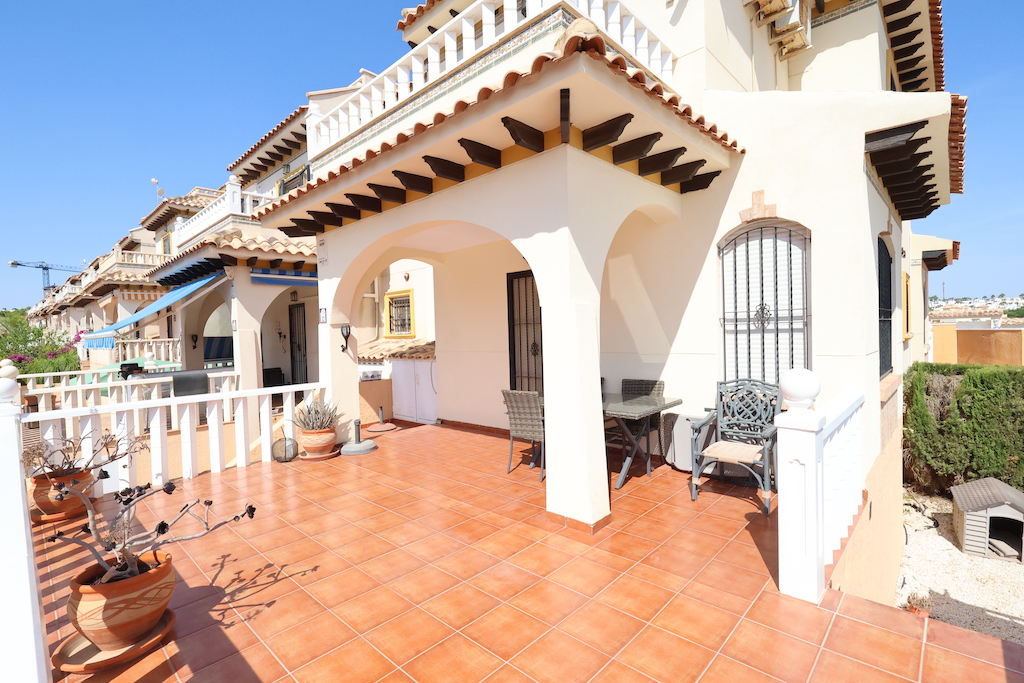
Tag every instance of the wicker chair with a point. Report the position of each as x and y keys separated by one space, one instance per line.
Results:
x=525 y=421
x=645 y=387
x=744 y=433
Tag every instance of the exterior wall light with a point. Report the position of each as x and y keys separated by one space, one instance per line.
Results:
x=346 y=332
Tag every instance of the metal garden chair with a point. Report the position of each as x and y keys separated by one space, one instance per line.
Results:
x=525 y=421
x=744 y=433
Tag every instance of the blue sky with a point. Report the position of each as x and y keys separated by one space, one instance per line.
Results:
x=100 y=97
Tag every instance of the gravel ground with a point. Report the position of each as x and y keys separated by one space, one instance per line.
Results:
x=981 y=594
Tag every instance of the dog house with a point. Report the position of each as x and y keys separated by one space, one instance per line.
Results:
x=988 y=518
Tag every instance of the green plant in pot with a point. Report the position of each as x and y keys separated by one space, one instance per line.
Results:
x=118 y=604
x=51 y=467
x=317 y=421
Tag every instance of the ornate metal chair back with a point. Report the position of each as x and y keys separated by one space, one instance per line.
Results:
x=745 y=408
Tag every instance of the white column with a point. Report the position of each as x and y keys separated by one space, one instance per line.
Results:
x=488 y=22
x=187 y=419
x=614 y=29
x=27 y=657
x=266 y=428
x=158 y=445
x=433 y=61
x=800 y=483
x=233 y=194
x=215 y=433
x=469 y=44
x=451 y=50
x=511 y=15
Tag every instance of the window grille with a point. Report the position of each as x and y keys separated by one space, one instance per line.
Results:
x=765 y=316
x=400 y=315
x=525 y=338
x=884 y=308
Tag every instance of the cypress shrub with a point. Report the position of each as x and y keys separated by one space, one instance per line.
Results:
x=963 y=422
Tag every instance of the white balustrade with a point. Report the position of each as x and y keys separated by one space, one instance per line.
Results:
x=819 y=478
x=163 y=349
x=249 y=406
x=456 y=42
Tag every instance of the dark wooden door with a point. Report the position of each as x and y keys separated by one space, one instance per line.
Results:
x=525 y=344
x=297 y=329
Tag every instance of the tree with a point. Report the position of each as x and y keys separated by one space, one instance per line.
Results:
x=34 y=349
x=1014 y=312
x=933 y=297
x=1002 y=296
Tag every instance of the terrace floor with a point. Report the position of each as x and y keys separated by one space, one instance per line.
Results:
x=425 y=561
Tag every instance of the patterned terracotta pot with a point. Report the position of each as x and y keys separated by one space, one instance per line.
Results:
x=317 y=443
x=43 y=496
x=115 y=615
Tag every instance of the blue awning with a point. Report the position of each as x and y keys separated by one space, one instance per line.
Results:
x=294 y=278
x=104 y=339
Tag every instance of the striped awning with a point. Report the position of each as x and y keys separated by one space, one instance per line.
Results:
x=293 y=278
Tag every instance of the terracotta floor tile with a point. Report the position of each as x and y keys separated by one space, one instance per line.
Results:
x=987 y=648
x=762 y=648
x=370 y=610
x=503 y=544
x=443 y=519
x=275 y=539
x=355 y=662
x=296 y=552
x=365 y=549
x=749 y=557
x=315 y=568
x=611 y=560
x=942 y=665
x=504 y=580
x=636 y=597
x=730 y=579
x=381 y=522
x=790 y=615
x=406 y=533
x=831 y=599
x=561 y=542
x=455 y=659
x=505 y=631
x=341 y=535
x=253 y=664
x=717 y=598
x=392 y=565
x=466 y=563
x=272 y=618
x=725 y=670
x=210 y=645
x=508 y=674
x=423 y=584
x=666 y=657
x=602 y=627
x=490 y=501
x=584 y=576
x=548 y=601
x=696 y=621
x=408 y=635
x=420 y=508
x=460 y=605
x=628 y=546
x=875 y=646
x=540 y=559
x=559 y=658
x=342 y=587
x=519 y=511
x=617 y=672
x=434 y=547
x=833 y=668
x=307 y=641
x=652 y=529
x=471 y=531
x=676 y=561
x=883 y=616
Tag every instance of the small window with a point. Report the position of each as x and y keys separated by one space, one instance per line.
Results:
x=399 y=312
x=165 y=243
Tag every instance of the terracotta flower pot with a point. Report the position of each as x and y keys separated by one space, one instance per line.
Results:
x=43 y=497
x=116 y=615
x=318 y=444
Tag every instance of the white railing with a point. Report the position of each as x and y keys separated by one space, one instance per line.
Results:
x=458 y=41
x=243 y=410
x=54 y=379
x=820 y=480
x=232 y=201
x=141 y=258
x=116 y=390
x=163 y=349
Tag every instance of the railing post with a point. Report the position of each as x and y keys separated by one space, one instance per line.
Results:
x=27 y=657
x=189 y=448
x=488 y=23
x=215 y=432
x=158 y=445
x=799 y=476
x=266 y=428
x=241 y=432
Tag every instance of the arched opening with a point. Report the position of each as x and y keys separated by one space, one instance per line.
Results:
x=288 y=340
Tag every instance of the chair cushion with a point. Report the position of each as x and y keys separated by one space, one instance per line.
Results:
x=734 y=452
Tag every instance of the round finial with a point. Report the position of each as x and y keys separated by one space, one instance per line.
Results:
x=10 y=390
x=149 y=355
x=800 y=387
x=6 y=362
x=313 y=110
x=9 y=371
x=233 y=178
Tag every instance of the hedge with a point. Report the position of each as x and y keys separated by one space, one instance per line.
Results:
x=963 y=422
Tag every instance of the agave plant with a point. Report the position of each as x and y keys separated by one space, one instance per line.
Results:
x=121 y=536
x=316 y=415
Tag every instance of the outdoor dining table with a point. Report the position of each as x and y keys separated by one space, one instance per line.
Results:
x=639 y=409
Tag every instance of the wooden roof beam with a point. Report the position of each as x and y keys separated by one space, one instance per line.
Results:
x=416 y=183
x=905 y=151
x=660 y=162
x=606 y=133
x=448 y=170
x=701 y=182
x=480 y=153
x=635 y=149
x=682 y=173
x=365 y=202
x=387 y=193
x=524 y=135
x=891 y=137
x=344 y=211
x=326 y=218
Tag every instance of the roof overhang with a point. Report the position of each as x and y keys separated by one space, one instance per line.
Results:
x=914 y=29
x=582 y=99
x=233 y=249
x=284 y=140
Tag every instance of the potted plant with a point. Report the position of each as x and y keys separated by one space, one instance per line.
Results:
x=118 y=605
x=317 y=421
x=51 y=467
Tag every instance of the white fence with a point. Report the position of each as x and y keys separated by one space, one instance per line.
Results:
x=117 y=390
x=240 y=411
x=474 y=30
x=163 y=349
x=820 y=481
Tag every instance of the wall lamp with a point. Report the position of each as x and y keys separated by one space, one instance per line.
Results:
x=195 y=341
x=346 y=332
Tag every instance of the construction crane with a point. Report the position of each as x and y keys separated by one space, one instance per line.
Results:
x=45 y=267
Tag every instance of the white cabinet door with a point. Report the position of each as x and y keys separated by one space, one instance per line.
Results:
x=403 y=390
x=426 y=394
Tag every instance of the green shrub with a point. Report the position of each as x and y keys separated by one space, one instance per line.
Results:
x=963 y=422
x=34 y=349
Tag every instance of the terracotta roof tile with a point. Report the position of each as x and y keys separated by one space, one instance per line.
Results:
x=957 y=139
x=592 y=47
x=273 y=131
x=233 y=238
x=412 y=349
x=411 y=14
x=197 y=198
x=938 y=51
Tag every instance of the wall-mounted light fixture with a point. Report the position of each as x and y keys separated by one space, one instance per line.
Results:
x=346 y=332
x=295 y=296
x=195 y=341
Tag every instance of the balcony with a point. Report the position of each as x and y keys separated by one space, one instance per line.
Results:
x=446 y=59
x=232 y=205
